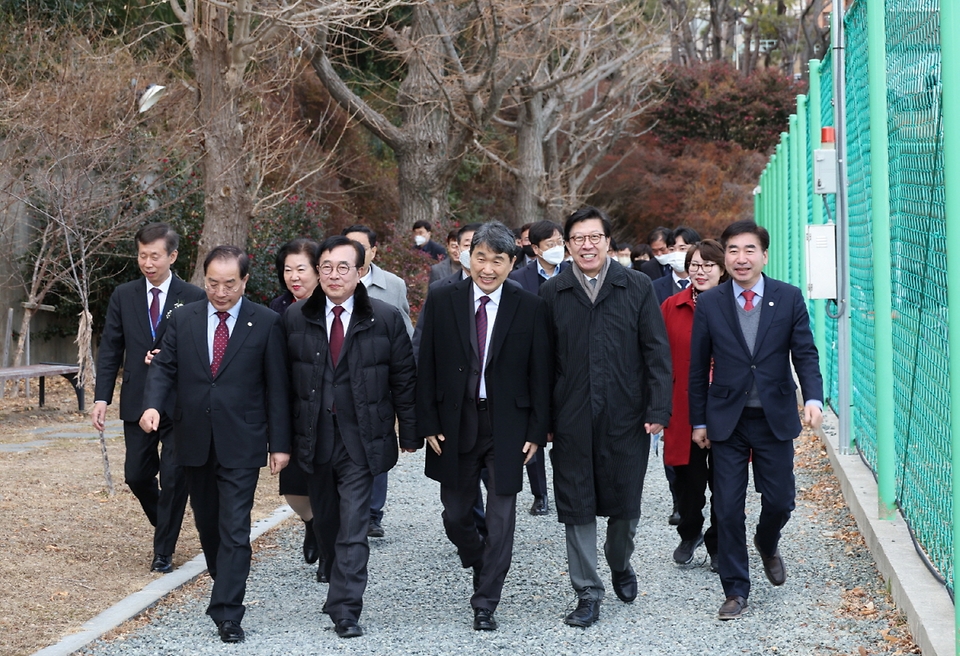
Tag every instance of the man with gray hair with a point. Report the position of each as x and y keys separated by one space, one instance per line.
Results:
x=483 y=401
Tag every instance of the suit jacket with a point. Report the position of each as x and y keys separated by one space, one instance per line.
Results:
x=127 y=338
x=530 y=279
x=443 y=269
x=385 y=286
x=518 y=374
x=653 y=269
x=245 y=408
x=783 y=335
x=665 y=287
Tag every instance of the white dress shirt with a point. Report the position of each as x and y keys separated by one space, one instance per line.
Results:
x=347 y=306
x=213 y=321
x=164 y=288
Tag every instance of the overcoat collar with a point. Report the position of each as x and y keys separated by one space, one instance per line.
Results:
x=567 y=281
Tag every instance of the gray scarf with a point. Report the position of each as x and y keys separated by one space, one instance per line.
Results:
x=591 y=290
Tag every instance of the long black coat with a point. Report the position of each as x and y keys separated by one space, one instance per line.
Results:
x=517 y=377
x=382 y=374
x=613 y=375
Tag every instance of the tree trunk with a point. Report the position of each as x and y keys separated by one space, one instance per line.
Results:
x=531 y=170
x=228 y=207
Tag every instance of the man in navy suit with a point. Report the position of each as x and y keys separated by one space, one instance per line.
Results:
x=546 y=240
x=137 y=317
x=750 y=328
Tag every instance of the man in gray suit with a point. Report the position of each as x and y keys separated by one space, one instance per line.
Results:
x=451 y=263
x=383 y=286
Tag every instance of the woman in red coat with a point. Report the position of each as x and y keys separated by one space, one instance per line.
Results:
x=704 y=263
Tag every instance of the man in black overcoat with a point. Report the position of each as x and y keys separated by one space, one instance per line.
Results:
x=483 y=402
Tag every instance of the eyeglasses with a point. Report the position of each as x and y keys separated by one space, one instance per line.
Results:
x=547 y=245
x=595 y=238
x=216 y=288
x=706 y=267
x=343 y=269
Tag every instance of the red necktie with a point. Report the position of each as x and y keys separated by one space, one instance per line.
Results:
x=155 y=309
x=748 y=295
x=220 y=338
x=336 y=335
x=481 y=335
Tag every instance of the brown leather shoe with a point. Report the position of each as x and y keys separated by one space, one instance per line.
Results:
x=732 y=608
x=773 y=565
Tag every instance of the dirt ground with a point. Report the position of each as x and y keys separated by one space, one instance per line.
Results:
x=69 y=549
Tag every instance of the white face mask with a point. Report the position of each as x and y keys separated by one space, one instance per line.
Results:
x=676 y=260
x=465 y=259
x=625 y=260
x=553 y=255
x=419 y=240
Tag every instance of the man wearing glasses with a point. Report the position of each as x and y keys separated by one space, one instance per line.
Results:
x=611 y=391
x=353 y=376
x=226 y=358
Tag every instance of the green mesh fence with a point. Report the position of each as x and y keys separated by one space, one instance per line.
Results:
x=918 y=255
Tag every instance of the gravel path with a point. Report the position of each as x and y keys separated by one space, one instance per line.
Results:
x=417 y=600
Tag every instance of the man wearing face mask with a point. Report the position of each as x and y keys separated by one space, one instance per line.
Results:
x=526 y=255
x=678 y=279
x=423 y=242
x=546 y=240
x=660 y=241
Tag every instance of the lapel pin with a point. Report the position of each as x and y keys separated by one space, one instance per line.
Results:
x=771 y=303
x=250 y=323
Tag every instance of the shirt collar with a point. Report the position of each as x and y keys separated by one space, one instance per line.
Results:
x=494 y=295
x=233 y=312
x=164 y=287
x=347 y=305
x=757 y=289
x=369 y=279
x=543 y=271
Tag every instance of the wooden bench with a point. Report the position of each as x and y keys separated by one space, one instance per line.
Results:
x=41 y=371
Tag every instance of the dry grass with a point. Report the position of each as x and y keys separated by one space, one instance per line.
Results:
x=69 y=550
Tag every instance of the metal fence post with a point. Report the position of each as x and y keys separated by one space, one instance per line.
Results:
x=880 y=221
x=816 y=209
x=950 y=79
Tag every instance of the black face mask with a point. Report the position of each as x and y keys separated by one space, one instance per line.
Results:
x=528 y=251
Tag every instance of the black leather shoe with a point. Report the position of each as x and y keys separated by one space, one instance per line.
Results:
x=375 y=530
x=311 y=550
x=587 y=612
x=683 y=555
x=323 y=576
x=162 y=564
x=230 y=631
x=348 y=629
x=540 y=506
x=483 y=620
x=625 y=585
x=773 y=565
x=732 y=608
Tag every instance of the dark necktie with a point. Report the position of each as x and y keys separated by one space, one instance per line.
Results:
x=336 y=335
x=748 y=295
x=155 y=309
x=220 y=338
x=683 y=282
x=482 y=335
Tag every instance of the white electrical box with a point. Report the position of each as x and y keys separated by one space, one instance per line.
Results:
x=822 y=261
x=825 y=171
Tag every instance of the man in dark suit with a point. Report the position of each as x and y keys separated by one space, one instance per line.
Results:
x=660 y=241
x=483 y=402
x=677 y=279
x=422 y=241
x=546 y=240
x=743 y=402
x=226 y=358
x=136 y=320
x=451 y=263
x=612 y=391
x=353 y=374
